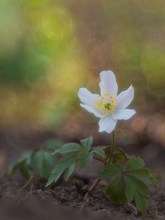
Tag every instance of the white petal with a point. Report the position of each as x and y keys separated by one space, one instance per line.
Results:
x=108 y=83
x=92 y=110
x=87 y=97
x=124 y=114
x=107 y=124
x=125 y=98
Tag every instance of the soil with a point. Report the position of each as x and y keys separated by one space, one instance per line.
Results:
x=66 y=202
x=19 y=201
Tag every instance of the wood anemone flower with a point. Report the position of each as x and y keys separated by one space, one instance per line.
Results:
x=108 y=106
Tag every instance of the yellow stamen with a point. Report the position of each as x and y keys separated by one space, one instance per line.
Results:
x=106 y=104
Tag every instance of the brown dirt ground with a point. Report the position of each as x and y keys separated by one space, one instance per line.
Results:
x=64 y=200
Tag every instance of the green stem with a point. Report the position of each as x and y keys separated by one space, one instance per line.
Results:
x=109 y=160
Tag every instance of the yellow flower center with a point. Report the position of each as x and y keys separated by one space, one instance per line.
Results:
x=106 y=104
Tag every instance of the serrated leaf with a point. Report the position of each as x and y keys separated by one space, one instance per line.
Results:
x=116 y=190
x=134 y=163
x=99 y=151
x=52 y=144
x=137 y=186
x=145 y=176
x=87 y=143
x=61 y=166
x=68 y=148
x=130 y=190
x=110 y=170
x=69 y=171
x=141 y=204
x=42 y=163
x=138 y=191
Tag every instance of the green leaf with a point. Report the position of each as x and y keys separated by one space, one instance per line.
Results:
x=108 y=151
x=137 y=177
x=61 y=166
x=99 y=151
x=110 y=170
x=84 y=158
x=69 y=171
x=25 y=171
x=141 y=203
x=130 y=190
x=26 y=156
x=120 y=156
x=116 y=190
x=42 y=163
x=145 y=176
x=52 y=144
x=68 y=148
x=14 y=167
x=138 y=191
x=23 y=164
x=87 y=143
x=137 y=186
x=134 y=163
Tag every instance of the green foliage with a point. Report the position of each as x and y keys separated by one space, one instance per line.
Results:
x=129 y=184
x=111 y=170
x=129 y=179
x=69 y=171
x=68 y=148
x=55 y=159
x=85 y=155
x=87 y=142
x=23 y=164
x=52 y=144
x=99 y=151
x=119 y=155
x=37 y=162
x=42 y=163
x=116 y=190
x=72 y=154
x=66 y=164
x=134 y=163
x=138 y=191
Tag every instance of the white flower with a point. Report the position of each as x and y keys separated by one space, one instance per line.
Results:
x=108 y=106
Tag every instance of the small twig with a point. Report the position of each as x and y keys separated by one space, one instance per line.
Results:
x=93 y=186
x=133 y=208
x=155 y=208
x=26 y=184
x=85 y=203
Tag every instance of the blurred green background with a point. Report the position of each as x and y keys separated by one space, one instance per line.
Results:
x=50 y=48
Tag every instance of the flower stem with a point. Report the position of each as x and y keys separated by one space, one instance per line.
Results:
x=109 y=160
